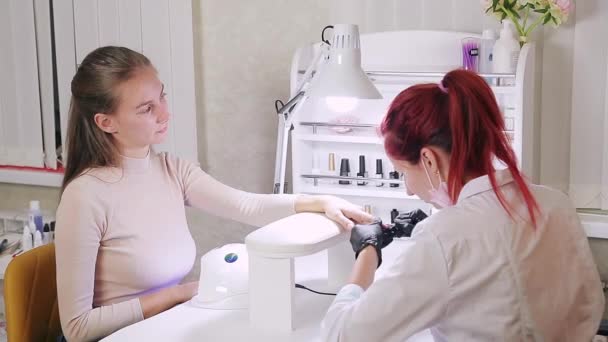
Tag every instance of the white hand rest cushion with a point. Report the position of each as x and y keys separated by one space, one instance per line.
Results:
x=296 y=235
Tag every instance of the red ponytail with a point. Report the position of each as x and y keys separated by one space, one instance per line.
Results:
x=462 y=118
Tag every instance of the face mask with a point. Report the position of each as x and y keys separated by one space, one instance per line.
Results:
x=439 y=196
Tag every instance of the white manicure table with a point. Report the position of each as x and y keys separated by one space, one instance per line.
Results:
x=307 y=249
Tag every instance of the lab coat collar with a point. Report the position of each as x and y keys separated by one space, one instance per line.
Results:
x=481 y=184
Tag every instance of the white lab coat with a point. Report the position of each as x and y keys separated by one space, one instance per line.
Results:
x=472 y=273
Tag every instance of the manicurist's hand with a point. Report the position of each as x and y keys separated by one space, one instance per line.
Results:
x=364 y=235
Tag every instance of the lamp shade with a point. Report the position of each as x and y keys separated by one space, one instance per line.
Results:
x=341 y=75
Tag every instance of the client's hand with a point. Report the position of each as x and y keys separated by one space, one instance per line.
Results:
x=344 y=212
x=341 y=211
x=166 y=298
x=185 y=292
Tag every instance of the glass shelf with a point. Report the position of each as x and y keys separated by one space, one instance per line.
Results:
x=357 y=139
x=339 y=138
x=368 y=190
x=314 y=124
x=429 y=74
x=383 y=180
x=432 y=74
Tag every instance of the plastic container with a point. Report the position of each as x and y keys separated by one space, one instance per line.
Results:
x=37 y=239
x=470 y=53
x=486 y=49
x=35 y=217
x=506 y=51
x=27 y=239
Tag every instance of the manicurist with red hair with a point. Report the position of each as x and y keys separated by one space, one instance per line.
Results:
x=503 y=260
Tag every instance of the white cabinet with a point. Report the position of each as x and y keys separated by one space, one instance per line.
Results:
x=394 y=61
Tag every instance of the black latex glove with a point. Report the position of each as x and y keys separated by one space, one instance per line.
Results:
x=370 y=234
x=405 y=223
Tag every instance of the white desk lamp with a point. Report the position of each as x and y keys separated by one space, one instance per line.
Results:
x=338 y=78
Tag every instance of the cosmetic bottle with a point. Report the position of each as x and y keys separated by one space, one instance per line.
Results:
x=344 y=171
x=393 y=175
x=331 y=168
x=379 y=174
x=315 y=164
x=35 y=216
x=362 y=173
x=488 y=39
x=46 y=234
x=27 y=240
x=52 y=231
x=37 y=239
x=506 y=51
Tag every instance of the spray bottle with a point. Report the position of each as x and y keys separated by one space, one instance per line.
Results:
x=35 y=217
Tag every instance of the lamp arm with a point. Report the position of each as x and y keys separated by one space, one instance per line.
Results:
x=320 y=55
x=283 y=129
x=286 y=118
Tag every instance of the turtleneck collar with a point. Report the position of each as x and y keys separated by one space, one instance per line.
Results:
x=136 y=164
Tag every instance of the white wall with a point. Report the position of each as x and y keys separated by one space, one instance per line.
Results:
x=588 y=144
x=386 y=15
x=243 y=55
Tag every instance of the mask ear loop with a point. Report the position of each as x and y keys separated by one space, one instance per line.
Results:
x=429 y=176
x=439 y=176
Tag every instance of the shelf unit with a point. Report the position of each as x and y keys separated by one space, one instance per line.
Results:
x=428 y=56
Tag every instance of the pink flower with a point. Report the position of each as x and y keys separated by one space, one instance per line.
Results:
x=567 y=6
x=560 y=9
x=485 y=4
x=488 y=3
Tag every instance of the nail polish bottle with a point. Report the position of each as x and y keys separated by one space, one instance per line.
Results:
x=344 y=171
x=379 y=174
x=394 y=175
x=362 y=173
